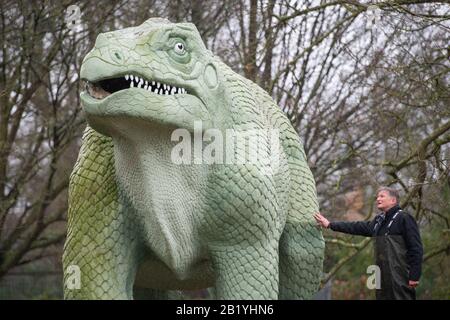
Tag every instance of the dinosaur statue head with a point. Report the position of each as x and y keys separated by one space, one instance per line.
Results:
x=159 y=72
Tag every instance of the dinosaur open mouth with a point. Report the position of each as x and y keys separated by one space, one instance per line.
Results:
x=103 y=88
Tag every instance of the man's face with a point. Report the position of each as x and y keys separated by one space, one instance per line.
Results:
x=385 y=201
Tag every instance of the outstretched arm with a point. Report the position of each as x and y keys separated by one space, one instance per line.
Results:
x=361 y=228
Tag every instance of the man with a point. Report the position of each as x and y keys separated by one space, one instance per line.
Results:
x=398 y=246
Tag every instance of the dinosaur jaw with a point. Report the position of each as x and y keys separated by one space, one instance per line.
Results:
x=100 y=89
x=125 y=98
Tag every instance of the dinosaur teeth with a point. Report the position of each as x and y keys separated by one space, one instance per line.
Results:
x=103 y=88
x=152 y=86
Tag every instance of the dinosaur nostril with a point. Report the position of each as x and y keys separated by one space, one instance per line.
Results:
x=106 y=42
x=117 y=55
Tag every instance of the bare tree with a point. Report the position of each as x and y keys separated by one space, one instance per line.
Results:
x=40 y=125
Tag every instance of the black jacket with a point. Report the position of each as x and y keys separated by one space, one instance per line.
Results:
x=404 y=225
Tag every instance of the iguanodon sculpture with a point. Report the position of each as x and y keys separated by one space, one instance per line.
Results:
x=140 y=223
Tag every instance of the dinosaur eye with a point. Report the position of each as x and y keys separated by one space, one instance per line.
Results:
x=179 y=48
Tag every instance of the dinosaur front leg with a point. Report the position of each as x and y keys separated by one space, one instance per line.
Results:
x=105 y=257
x=242 y=230
x=301 y=259
x=301 y=244
x=246 y=273
x=101 y=245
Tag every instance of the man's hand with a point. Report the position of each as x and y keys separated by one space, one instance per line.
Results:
x=413 y=284
x=321 y=220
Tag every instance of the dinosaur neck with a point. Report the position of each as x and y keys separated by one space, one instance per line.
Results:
x=165 y=196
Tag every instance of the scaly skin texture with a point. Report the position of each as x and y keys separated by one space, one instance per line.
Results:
x=137 y=219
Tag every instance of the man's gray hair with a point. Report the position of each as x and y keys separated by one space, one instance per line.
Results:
x=391 y=191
